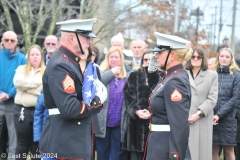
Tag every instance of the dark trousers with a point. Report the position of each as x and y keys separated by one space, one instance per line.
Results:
x=24 y=130
x=109 y=148
x=4 y=139
x=136 y=155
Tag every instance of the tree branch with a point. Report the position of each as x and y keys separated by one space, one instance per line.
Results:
x=81 y=9
x=55 y=14
x=40 y=21
x=9 y=25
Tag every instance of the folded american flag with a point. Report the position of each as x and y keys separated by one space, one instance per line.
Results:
x=89 y=83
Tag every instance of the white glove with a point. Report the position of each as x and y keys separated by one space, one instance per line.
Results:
x=153 y=64
x=101 y=91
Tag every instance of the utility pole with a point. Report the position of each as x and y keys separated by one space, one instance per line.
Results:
x=176 y=16
x=214 y=36
x=197 y=12
x=212 y=32
x=197 y=25
x=220 y=24
x=233 y=25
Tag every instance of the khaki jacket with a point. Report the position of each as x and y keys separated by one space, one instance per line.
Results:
x=28 y=86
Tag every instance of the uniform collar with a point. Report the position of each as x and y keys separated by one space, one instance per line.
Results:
x=69 y=54
x=174 y=68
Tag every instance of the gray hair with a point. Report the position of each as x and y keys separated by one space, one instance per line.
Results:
x=138 y=39
x=117 y=37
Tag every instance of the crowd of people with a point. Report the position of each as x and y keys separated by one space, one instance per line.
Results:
x=71 y=102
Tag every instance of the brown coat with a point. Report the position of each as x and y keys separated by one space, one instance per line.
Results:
x=204 y=90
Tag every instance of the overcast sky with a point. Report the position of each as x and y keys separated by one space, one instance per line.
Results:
x=208 y=7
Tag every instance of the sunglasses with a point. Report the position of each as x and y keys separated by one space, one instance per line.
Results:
x=198 y=57
x=11 y=40
x=145 y=59
x=53 y=44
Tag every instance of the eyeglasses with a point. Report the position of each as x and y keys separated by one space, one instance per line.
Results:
x=198 y=57
x=7 y=40
x=53 y=44
x=145 y=59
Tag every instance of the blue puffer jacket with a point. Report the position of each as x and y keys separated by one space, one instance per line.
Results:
x=228 y=90
x=8 y=64
x=40 y=115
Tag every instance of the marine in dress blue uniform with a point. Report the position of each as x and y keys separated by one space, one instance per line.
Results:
x=169 y=105
x=68 y=129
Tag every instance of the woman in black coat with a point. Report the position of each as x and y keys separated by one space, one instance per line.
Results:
x=225 y=124
x=136 y=93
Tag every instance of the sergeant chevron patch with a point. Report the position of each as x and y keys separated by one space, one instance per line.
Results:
x=176 y=96
x=68 y=84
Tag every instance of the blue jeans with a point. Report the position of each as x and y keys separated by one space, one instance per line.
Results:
x=109 y=148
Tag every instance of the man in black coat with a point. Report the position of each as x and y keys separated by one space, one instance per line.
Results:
x=68 y=129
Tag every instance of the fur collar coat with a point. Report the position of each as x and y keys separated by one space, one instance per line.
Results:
x=136 y=93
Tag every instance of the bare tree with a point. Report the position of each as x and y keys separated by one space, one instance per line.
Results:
x=40 y=16
x=32 y=15
x=8 y=25
x=157 y=16
x=115 y=18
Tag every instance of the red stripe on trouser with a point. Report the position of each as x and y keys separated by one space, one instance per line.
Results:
x=145 y=150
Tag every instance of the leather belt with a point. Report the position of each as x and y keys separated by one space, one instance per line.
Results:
x=53 y=111
x=158 y=128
